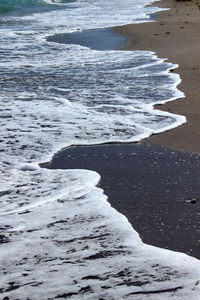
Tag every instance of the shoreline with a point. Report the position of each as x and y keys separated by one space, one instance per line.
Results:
x=148 y=189
x=175 y=36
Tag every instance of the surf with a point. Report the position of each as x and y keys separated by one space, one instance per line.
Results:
x=11 y=5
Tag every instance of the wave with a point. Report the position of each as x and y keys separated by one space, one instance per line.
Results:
x=10 y=5
x=59 y=236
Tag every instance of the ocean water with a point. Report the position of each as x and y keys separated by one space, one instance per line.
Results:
x=59 y=236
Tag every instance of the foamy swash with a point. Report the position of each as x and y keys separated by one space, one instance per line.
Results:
x=59 y=236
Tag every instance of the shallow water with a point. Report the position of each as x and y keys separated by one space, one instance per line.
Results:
x=58 y=232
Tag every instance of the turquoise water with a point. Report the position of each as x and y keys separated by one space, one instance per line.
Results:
x=10 y=5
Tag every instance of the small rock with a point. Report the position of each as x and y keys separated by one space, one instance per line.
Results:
x=193 y=201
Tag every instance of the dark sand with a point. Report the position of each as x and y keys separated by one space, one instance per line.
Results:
x=107 y=39
x=151 y=186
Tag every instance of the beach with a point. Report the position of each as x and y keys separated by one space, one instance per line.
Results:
x=175 y=36
x=155 y=192
x=91 y=207
x=143 y=182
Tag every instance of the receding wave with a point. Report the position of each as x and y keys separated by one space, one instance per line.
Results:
x=9 y=5
x=59 y=236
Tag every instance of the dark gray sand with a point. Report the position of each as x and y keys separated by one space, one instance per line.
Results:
x=100 y=39
x=152 y=186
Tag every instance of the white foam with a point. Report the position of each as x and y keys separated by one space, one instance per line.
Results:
x=58 y=232
x=80 y=241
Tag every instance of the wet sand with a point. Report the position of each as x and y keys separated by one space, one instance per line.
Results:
x=107 y=39
x=175 y=35
x=151 y=185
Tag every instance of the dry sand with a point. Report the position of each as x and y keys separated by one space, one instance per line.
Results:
x=175 y=35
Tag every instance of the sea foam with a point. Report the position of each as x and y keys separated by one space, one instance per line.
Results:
x=59 y=236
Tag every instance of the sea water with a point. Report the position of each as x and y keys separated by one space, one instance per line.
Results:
x=59 y=236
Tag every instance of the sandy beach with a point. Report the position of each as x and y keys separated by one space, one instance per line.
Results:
x=90 y=206
x=148 y=188
x=175 y=35
x=143 y=182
